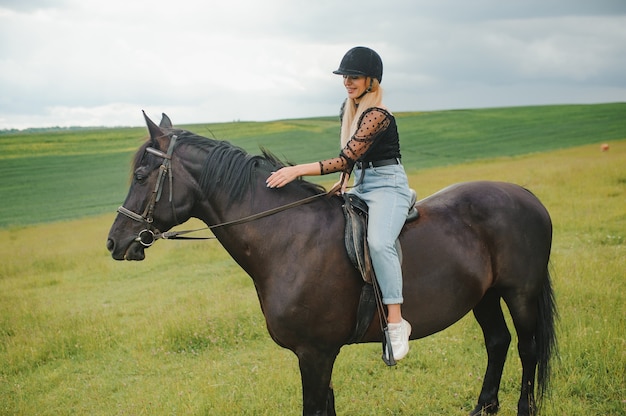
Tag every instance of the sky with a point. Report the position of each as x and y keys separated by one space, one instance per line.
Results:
x=100 y=63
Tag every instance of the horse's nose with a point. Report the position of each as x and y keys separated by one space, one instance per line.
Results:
x=110 y=245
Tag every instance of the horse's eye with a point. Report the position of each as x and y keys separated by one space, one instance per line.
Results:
x=140 y=175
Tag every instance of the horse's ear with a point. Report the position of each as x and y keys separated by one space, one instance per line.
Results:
x=155 y=131
x=165 y=121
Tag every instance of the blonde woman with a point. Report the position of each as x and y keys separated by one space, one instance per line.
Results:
x=371 y=148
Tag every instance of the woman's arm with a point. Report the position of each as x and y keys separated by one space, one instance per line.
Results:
x=372 y=124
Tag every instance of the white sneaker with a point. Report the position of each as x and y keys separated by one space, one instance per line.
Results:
x=399 y=335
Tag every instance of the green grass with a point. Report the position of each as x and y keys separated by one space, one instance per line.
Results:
x=183 y=333
x=60 y=175
x=460 y=136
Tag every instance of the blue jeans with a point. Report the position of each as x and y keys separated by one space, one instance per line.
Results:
x=386 y=191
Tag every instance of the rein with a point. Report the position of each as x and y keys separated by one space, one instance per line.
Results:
x=150 y=234
x=176 y=235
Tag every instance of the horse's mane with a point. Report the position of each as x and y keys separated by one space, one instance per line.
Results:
x=230 y=167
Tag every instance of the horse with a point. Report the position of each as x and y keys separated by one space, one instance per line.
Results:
x=474 y=244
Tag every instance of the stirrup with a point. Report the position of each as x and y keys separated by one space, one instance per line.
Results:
x=387 y=349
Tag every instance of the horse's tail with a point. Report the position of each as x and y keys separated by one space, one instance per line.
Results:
x=545 y=336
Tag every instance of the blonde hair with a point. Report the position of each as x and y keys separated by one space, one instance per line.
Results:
x=352 y=112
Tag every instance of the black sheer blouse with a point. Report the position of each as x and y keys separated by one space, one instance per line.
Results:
x=376 y=138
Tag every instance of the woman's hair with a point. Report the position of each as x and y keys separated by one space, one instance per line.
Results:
x=352 y=112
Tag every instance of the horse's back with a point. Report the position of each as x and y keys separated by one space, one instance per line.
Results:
x=492 y=209
x=487 y=195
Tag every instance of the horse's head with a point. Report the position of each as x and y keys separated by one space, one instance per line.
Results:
x=151 y=206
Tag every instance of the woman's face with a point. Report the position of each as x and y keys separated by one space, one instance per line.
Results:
x=355 y=86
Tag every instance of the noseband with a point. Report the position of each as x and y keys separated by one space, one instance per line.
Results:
x=150 y=234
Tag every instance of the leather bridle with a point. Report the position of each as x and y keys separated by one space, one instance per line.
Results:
x=150 y=234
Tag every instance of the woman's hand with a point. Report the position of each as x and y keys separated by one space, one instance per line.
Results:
x=283 y=176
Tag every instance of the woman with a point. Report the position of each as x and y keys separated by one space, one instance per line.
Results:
x=370 y=147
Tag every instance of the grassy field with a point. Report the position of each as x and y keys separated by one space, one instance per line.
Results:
x=60 y=175
x=182 y=332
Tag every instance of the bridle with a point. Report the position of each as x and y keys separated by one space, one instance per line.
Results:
x=150 y=234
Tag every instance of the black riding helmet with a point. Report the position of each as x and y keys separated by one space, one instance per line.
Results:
x=361 y=61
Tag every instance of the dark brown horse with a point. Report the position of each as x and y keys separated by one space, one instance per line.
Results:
x=474 y=245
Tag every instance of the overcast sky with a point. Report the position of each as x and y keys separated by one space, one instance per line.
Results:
x=99 y=63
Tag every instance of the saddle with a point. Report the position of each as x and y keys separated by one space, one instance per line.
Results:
x=356 y=214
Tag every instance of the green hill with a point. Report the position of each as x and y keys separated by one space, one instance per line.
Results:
x=62 y=174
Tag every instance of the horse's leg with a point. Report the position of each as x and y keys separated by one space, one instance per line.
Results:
x=489 y=315
x=316 y=368
x=524 y=319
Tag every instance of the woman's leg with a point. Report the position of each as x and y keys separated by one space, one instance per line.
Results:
x=394 y=313
x=387 y=214
x=388 y=198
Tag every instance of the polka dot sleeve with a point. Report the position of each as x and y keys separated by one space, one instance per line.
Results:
x=371 y=125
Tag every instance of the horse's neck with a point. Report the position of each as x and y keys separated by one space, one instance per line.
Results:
x=250 y=242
